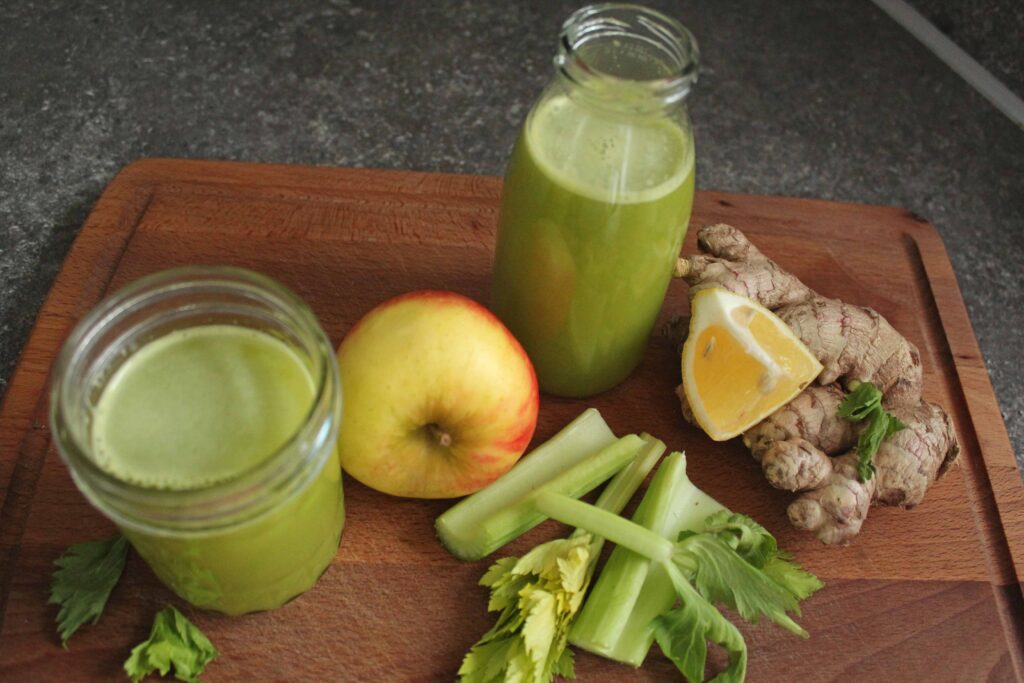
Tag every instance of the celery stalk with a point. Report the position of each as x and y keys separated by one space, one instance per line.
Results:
x=576 y=460
x=617 y=494
x=617 y=618
x=731 y=560
x=529 y=640
x=619 y=491
x=612 y=527
x=515 y=520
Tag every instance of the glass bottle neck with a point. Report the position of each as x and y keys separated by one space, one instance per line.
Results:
x=627 y=58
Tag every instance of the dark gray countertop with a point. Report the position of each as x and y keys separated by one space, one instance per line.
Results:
x=822 y=98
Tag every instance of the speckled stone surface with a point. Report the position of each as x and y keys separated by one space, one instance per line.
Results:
x=821 y=98
x=991 y=31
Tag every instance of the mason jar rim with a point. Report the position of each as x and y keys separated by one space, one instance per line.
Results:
x=663 y=32
x=222 y=503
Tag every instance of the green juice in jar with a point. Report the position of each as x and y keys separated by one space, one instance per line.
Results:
x=200 y=406
x=594 y=211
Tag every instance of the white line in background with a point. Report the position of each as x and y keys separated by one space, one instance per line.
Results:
x=955 y=58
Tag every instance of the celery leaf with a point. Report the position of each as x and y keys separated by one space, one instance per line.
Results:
x=683 y=633
x=538 y=596
x=756 y=545
x=750 y=540
x=174 y=642
x=799 y=582
x=86 y=574
x=720 y=575
x=564 y=665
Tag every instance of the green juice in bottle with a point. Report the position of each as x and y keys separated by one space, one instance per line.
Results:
x=594 y=212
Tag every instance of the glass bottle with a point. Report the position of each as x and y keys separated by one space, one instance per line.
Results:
x=267 y=527
x=597 y=198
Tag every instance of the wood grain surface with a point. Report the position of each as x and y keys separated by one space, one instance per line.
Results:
x=931 y=594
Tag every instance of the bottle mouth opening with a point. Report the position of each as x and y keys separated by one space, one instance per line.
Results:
x=612 y=47
x=140 y=313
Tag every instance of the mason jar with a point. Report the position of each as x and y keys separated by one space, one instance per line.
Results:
x=597 y=198
x=198 y=409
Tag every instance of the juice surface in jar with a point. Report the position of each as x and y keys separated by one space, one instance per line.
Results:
x=594 y=212
x=203 y=405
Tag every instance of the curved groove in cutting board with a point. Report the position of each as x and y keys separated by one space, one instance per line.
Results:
x=17 y=501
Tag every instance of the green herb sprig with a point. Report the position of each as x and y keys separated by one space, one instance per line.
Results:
x=864 y=402
x=85 y=575
x=174 y=642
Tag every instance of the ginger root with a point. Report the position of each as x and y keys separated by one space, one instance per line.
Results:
x=795 y=444
x=906 y=464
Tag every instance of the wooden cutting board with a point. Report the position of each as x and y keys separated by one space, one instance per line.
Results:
x=931 y=594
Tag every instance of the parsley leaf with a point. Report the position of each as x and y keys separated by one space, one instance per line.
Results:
x=85 y=575
x=174 y=641
x=860 y=403
x=865 y=403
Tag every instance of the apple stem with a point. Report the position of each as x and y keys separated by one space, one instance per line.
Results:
x=443 y=438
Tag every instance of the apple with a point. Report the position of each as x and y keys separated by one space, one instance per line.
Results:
x=439 y=397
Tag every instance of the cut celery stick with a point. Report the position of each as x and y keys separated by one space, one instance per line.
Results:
x=617 y=494
x=617 y=617
x=619 y=491
x=490 y=533
x=574 y=461
x=611 y=526
x=607 y=609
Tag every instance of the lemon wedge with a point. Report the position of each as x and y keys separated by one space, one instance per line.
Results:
x=740 y=363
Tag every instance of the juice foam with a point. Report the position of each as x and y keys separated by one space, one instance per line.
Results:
x=200 y=405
